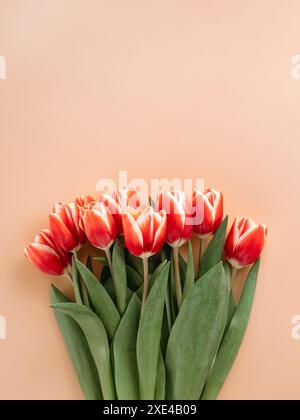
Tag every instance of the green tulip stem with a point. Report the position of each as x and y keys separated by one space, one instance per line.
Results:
x=109 y=262
x=233 y=279
x=202 y=246
x=81 y=285
x=178 y=289
x=146 y=282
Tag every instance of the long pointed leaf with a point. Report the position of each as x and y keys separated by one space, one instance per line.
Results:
x=160 y=386
x=96 y=337
x=169 y=319
x=78 y=349
x=233 y=338
x=189 y=271
x=152 y=279
x=124 y=350
x=119 y=270
x=100 y=299
x=134 y=279
x=135 y=262
x=213 y=254
x=149 y=335
x=196 y=335
x=76 y=283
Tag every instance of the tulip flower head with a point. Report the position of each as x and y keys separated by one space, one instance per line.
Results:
x=244 y=242
x=46 y=256
x=118 y=202
x=177 y=208
x=144 y=230
x=65 y=226
x=85 y=201
x=208 y=207
x=99 y=226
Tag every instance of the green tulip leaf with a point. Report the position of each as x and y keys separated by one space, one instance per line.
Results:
x=168 y=322
x=89 y=263
x=233 y=338
x=231 y=310
x=152 y=279
x=78 y=349
x=120 y=276
x=109 y=287
x=232 y=305
x=101 y=260
x=124 y=350
x=214 y=251
x=189 y=272
x=100 y=299
x=96 y=337
x=135 y=262
x=160 y=386
x=105 y=274
x=76 y=283
x=172 y=292
x=182 y=262
x=134 y=279
x=149 y=335
x=196 y=335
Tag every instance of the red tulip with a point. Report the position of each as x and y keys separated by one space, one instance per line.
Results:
x=244 y=242
x=85 y=201
x=118 y=202
x=65 y=226
x=209 y=211
x=144 y=231
x=45 y=255
x=177 y=207
x=99 y=226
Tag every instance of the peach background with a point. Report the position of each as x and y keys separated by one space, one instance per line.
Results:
x=161 y=88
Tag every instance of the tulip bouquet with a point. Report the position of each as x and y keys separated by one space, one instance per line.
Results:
x=151 y=324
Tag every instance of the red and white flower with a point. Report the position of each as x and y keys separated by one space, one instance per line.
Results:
x=244 y=242
x=99 y=226
x=177 y=207
x=65 y=228
x=46 y=256
x=144 y=231
x=208 y=208
x=118 y=202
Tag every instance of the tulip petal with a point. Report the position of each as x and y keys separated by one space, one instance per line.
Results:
x=111 y=204
x=127 y=196
x=76 y=213
x=45 y=259
x=244 y=224
x=208 y=208
x=187 y=232
x=206 y=215
x=232 y=239
x=250 y=245
x=100 y=230
x=132 y=234
x=62 y=237
x=63 y=211
x=146 y=225
x=173 y=204
x=114 y=209
x=85 y=200
x=160 y=232
x=45 y=237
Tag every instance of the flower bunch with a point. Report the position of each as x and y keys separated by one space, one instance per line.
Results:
x=157 y=323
